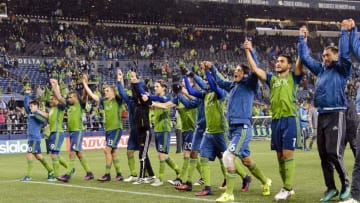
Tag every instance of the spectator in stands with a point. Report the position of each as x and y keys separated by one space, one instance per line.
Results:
x=3 y=105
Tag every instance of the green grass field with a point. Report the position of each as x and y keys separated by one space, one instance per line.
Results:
x=308 y=183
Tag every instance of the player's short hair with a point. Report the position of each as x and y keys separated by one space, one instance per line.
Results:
x=333 y=49
x=34 y=102
x=288 y=57
x=245 y=68
x=162 y=83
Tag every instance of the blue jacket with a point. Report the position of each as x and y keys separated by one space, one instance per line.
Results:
x=358 y=100
x=35 y=121
x=242 y=93
x=331 y=81
x=355 y=43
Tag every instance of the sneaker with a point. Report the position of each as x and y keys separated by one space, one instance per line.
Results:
x=351 y=200
x=157 y=183
x=25 y=179
x=119 y=177
x=199 y=182
x=223 y=185
x=139 y=181
x=184 y=187
x=225 y=197
x=89 y=176
x=131 y=179
x=284 y=194
x=150 y=179
x=51 y=177
x=65 y=178
x=329 y=194
x=204 y=192
x=246 y=183
x=266 y=187
x=345 y=192
x=175 y=182
x=105 y=177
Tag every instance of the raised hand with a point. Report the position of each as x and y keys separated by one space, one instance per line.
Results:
x=120 y=75
x=53 y=82
x=247 y=45
x=303 y=31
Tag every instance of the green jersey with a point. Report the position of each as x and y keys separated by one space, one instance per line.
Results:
x=56 y=118
x=74 y=114
x=283 y=95
x=112 y=113
x=188 y=117
x=162 y=121
x=214 y=114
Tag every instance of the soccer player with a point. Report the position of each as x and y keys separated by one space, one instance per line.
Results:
x=140 y=136
x=242 y=91
x=112 y=105
x=162 y=129
x=75 y=109
x=55 y=119
x=213 y=142
x=283 y=86
x=355 y=186
x=330 y=99
x=34 y=125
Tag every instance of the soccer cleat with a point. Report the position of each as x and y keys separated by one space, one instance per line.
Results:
x=119 y=177
x=175 y=182
x=157 y=183
x=131 y=179
x=89 y=176
x=204 y=192
x=105 y=177
x=139 y=181
x=266 y=187
x=51 y=177
x=150 y=179
x=184 y=187
x=223 y=185
x=246 y=183
x=284 y=194
x=351 y=200
x=25 y=179
x=345 y=192
x=329 y=194
x=200 y=182
x=225 y=197
x=65 y=178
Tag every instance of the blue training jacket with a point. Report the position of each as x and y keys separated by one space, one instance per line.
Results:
x=35 y=121
x=331 y=81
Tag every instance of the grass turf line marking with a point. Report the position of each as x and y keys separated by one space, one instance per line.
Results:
x=124 y=191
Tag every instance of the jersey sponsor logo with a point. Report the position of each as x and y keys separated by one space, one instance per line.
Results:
x=9 y=147
x=280 y=82
x=99 y=142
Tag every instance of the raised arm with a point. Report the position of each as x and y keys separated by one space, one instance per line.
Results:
x=56 y=90
x=191 y=90
x=188 y=103
x=27 y=101
x=219 y=79
x=120 y=86
x=88 y=90
x=303 y=50
x=344 y=63
x=219 y=92
x=354 y=40
x=252 y=63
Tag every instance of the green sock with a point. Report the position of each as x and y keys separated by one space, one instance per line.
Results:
x=63 y=162
x=230 y=182
x=45 y=164
x=173 y=165
x=239 y=169
x=30 y=166
x=184 y=169
x=223 y=169
x=131 y=163
x=85 y=164
x=257 y=173
x=56 y=166
x=198 y=166
x=205 y=171
x=282 y=170
x=289 y=173
x=70 y=166
x=191 y=169
x=107 y=169
x=161 y=170
x=116 y=163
